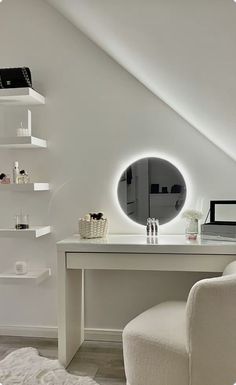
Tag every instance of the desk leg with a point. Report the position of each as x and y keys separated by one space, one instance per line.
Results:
x=70 y=310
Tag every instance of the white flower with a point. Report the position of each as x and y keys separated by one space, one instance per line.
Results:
x=192 y=214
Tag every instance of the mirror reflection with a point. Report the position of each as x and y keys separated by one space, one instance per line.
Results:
x=151 y=187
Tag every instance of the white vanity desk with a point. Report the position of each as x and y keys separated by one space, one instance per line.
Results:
x=124 y=252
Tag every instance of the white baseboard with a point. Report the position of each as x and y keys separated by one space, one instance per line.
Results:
x=105 y=335
x=29 y=331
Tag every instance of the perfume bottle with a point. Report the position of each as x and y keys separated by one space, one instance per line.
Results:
x=15 y=172
x=23 y=177
x=153 y=227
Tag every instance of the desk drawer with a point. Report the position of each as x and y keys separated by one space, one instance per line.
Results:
x=160 y=262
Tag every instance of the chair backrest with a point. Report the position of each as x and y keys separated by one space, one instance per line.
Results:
x=211 y=330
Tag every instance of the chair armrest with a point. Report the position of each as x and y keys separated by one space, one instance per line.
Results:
x=230 y=268
x=211 y=331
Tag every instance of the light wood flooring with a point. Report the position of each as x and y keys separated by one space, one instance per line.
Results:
x=103 y=361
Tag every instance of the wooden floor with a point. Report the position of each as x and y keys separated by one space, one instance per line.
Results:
x=103 y=361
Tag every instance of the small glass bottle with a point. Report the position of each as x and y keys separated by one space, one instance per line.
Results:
x=21 y=221
x=149 y=227
x=156 y=227
x=23 y=177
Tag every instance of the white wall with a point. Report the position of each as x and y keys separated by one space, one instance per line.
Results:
x=183 y=51
x=97 y=119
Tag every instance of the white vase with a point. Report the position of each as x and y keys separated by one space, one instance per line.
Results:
x=192 y=229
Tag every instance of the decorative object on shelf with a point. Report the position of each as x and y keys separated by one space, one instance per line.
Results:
x=192 y=227
x=4 y=179
x=15 y=77
x=22 y=221
x=25 y=131
x=21 y=131
x=21 y=268
x=152 y=228
x=93 y=226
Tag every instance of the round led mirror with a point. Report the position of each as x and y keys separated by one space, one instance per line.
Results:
x=151 y=187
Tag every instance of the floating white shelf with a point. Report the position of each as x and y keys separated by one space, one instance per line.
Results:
x=22 y=142
x=28 y=187
x=34 y=276
x=33 y=232
x=20 y=96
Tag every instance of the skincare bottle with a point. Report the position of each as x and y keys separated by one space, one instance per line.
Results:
x=148 y=227
x=156 y=225
x=16 y=172
x=153 y=227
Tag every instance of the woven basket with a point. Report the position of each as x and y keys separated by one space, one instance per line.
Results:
x=93 y=228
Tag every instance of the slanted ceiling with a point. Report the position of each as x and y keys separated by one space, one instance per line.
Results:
x=184 y=51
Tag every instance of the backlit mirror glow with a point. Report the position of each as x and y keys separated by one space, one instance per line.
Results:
x=151 y=187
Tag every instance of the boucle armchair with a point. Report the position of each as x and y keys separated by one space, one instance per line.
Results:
x=186 y=343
